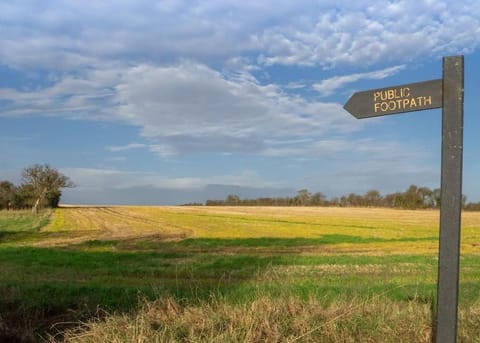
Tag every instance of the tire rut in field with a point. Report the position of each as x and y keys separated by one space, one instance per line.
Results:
x=156 y=224
x=141 y=219
x=243 y=218
x=128 y=216
x=75 y=219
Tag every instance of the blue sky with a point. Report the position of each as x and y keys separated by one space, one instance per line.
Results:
x=167 y=102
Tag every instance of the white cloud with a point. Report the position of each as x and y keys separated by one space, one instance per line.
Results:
x=339 y=148
x=100 y=179
x=89 y=178
x=328 y=86
x=295 y=85
x=183 y=72
x=126 y=147
x=192 y=107
x=185 y=108
x=68 y=35
x=88 y=95
x=369 y=32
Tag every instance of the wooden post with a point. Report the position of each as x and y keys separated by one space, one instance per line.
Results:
x=451 y=200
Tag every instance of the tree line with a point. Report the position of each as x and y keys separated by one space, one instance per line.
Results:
x=40 y=187
x=414 y=197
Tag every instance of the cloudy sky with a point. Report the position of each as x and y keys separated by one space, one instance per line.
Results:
x=167 y=102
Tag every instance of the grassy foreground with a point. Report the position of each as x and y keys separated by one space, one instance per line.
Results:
x=163 y=274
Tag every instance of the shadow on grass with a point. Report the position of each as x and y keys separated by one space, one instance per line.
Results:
x=74 y=278
x=257 y=219
x=12 y=237
x=41 y=286
x=294 y=242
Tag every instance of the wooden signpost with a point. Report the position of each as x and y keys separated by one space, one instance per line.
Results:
x=446 y=93
x=405 y=98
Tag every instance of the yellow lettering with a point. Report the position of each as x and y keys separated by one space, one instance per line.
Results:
x=391 y=94
x=394 y=99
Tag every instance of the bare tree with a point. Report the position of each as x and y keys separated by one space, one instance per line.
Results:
x=303 y=197
x=46 y=183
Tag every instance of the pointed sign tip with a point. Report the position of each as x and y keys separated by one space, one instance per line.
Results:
x=396 y=99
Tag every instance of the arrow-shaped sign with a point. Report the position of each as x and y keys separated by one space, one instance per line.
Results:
x=397 y=99
x=446 y=93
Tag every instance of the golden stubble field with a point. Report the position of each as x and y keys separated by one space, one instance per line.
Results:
x=361 y=230
x=238 y=274
x=377 y=266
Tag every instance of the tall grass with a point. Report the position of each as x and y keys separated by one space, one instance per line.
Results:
x=290 y=319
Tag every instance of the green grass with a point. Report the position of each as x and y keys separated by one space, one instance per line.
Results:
x=199 y=274
x=41 y=285
x=23 y=221
x=294 y=242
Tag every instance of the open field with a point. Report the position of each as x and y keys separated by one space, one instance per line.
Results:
x=217 y=272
